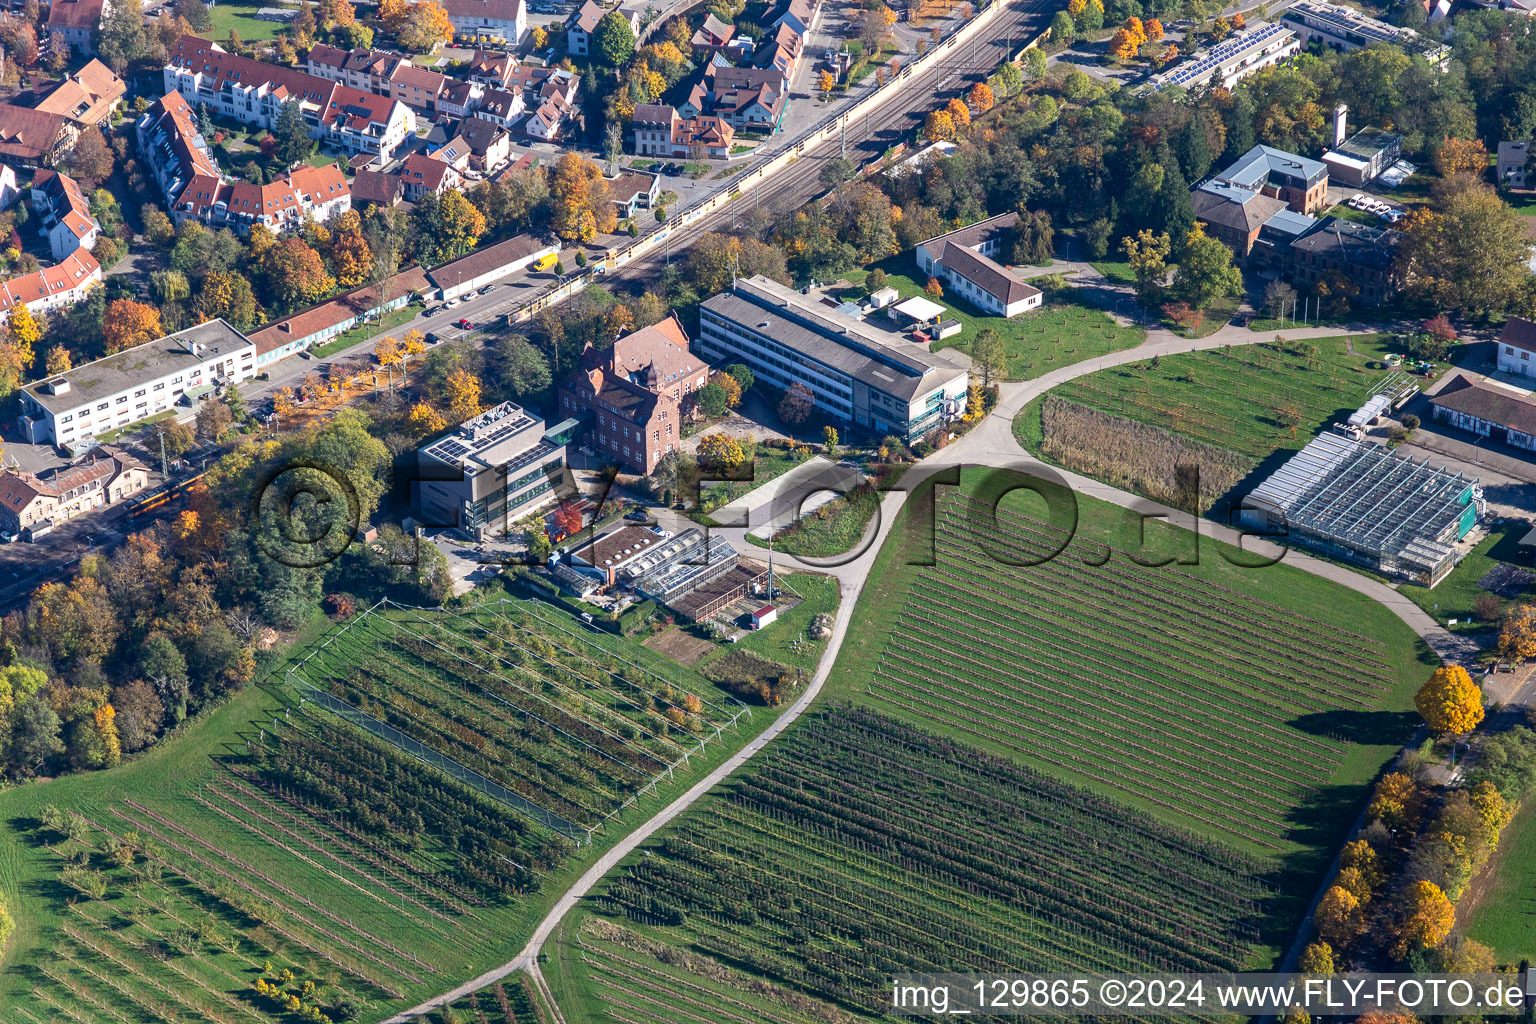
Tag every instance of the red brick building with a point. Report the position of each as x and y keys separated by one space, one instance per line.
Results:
x=633 y=394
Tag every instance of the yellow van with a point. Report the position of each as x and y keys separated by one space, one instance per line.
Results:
x=545 y=262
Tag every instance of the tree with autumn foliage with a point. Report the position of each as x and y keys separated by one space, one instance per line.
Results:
x=980 y=98
x=424 y=420
x=1316 y=960
x=1450 y=702
x=721 y=453
x=1517 y=636
x=939 y=127
x=351 y=259
x=1396 y=801
x=127 y=323
x=422 y=27
x=567 y=519
x=25 y=332
x=1153 y=28
x=1338 y=917
x=462 y=389
x=1428 y=917
x=1460 y=156
x=579 y=198
x=826 y=84
x=959 y=114
x=294 y=275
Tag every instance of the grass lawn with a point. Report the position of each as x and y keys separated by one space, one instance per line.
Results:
x=399 y=924
x=1366 y=217
x=1523 y=202
x=784 y=641
x=1062 y=333
x=1239 y=398
x=1455 y=597
x=242 y=18
x=1118 y=271
x=109 y=436
x=767 y=464
x=834 y=528
x=1506 y=914
x=1217 y=315
x=346 y=339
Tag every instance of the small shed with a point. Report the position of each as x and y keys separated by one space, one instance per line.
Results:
x=917 y=311
x=947 y=329
x=764 y=616
x=883 y=297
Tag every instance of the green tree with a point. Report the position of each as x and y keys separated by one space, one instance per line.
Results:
x=743 y=374
x=1063 y=30
x=1148 y=255
x=123 y=39
x=1205 y=271
x=712 y=400
x=294 y=144
x=1473 y=254
x=989 y=355
x=523 y=368
x=613 y=41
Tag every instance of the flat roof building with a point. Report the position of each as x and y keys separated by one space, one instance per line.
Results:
x=856 y=373
x=179 y=369
x=491 y=471
x=1344 y=28
x=1363 y=157
x=1233 y=59
x=1370 y=505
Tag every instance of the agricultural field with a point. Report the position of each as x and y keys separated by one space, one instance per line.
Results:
x=1063 y=332
x=1252 y=400
x=1002 y=747
x=862 y=846
x=1504 y=913
x=353 y=858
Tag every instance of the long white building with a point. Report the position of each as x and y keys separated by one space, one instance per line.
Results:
x=1234 y=58
x=857 y=374
x=158 y=376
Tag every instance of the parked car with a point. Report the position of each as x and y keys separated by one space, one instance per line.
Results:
x=486 y=290
x=639 y=515
x=432 y=338
x=464 y=324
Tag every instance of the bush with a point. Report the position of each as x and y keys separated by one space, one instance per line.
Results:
x=581 y=259
x=1410 y=422
x=661 y=215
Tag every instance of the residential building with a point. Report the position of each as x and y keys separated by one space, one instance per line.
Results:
x=377 y=188
x=76 y=24
x=173 y=148
x=712 y=36
x=1517 y=344
x=66 y=216
x=495 y=21
x=781 y=51
x=139 y=382
x=1260 y=45
x=632 y=191
x=1369 y=504
x=459 y=99
x=1344 y=28
x=88 y=97
x=1514 y=162
x=549 y=119
x=417 y=87
x=286 y=204
x=1361 y=159
x=963 y=260
x=492 y=470
x=490 y=145
x=320 y=323
x=492 y=68
x=578 y=33
x=455 y=153
x=799 y=15
x=856 y=374
x=1488 y=409
x=34 y=138
x=538 y=84
x=662 y=131
x=423 y=174
x=501 y=107
x=1299 y=182
x=492 y=263
x=1364 y=255
x=361 y=68
x=55 y=287
x=744 y=97
x=633 y=395
x=36 y=502
x=254 y=92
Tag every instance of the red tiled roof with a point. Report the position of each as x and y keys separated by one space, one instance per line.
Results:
x=199 y=56
x=425 y=172
x=74 y=269
x=29 y=135
x=82 y=14
x=338 y=310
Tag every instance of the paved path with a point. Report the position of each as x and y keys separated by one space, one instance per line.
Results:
x=991 y=443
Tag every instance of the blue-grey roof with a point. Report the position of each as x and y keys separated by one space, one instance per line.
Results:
x=1291 y=222
x=1254 y=167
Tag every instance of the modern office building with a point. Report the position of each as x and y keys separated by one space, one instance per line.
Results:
x=492 y=470
x=1344 y=28
x=857 y=374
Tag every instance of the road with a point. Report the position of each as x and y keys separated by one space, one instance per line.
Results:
x=991 y=443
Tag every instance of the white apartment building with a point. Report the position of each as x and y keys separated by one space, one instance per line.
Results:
x=1233 y=59
x=505 y=21
x=176 y=371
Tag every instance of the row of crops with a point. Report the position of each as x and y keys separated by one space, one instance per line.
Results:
x=1251 y=399
x=1147 y=683
x=565 y=727
x=862 y=846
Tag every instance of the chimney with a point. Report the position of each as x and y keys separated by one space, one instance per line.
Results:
x=1340 y=121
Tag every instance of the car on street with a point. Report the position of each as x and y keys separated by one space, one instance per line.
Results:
x=432 y=338
x=639 y=515
x=486 y=290
x=6 y=536
x=464 y=324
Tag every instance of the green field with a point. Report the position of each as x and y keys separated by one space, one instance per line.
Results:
x=1061 y=333
x=833 y=529
x=1251 y=399
x=987 y=729
x=242 y=18
x=1506 y=913
x=1455 y=597
x=271 y=835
